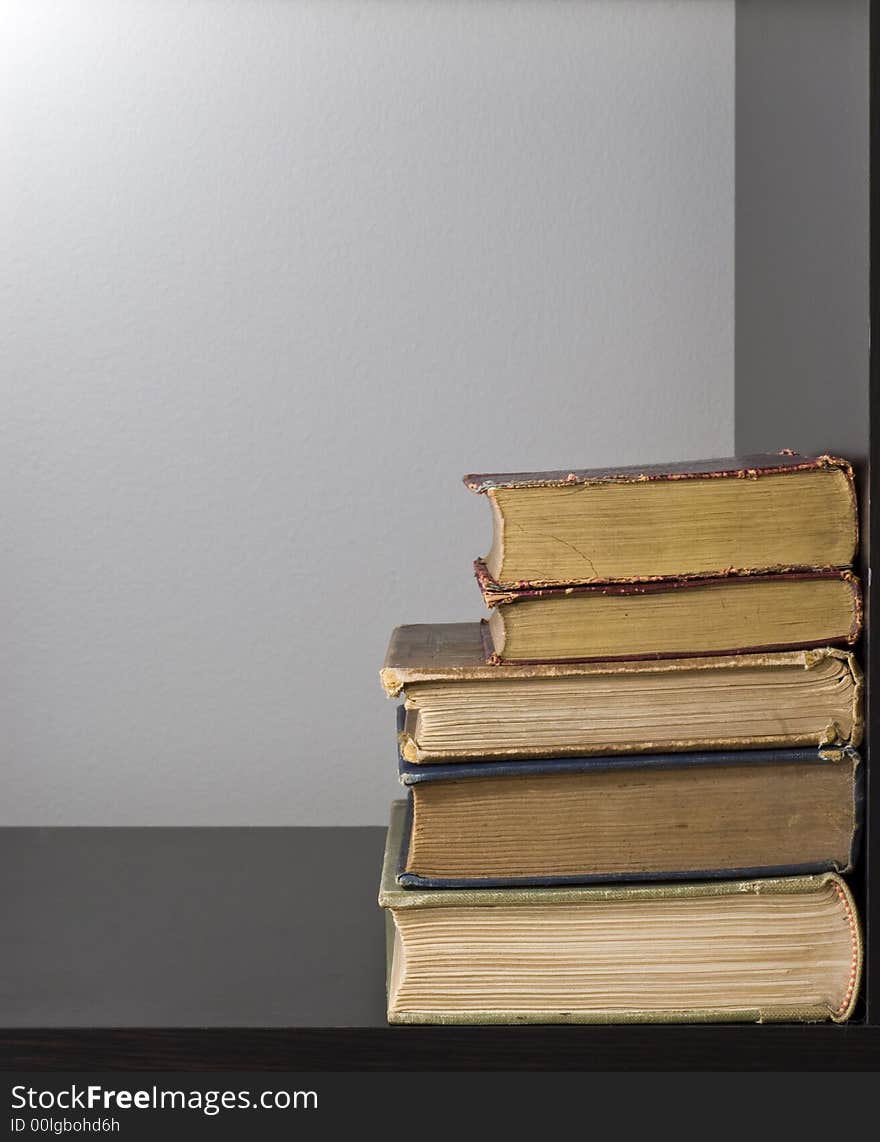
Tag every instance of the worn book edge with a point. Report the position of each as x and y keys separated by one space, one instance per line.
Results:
x=471 y=666
x=496 y=592
x=467 y=661
x=742 y=467
x=496 y=595
x=391 y=895
x=410 y=775
x=407 y=878
x=829 y=739
x=750 y=467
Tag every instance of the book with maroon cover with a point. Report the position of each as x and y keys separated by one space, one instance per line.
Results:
x=750 y=514
x=670 y=618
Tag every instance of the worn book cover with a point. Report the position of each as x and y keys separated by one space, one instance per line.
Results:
x=670 y=618
x=754 y=950
x=749 y=514
x=459 y=707
x=632 y=818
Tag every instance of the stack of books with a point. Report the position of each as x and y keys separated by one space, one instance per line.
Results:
x=634 y=789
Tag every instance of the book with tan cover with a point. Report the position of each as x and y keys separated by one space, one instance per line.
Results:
x=459 y=707
x=777 y=949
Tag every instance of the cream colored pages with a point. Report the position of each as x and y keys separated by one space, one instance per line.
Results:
x=737 y=956
x=808 y=698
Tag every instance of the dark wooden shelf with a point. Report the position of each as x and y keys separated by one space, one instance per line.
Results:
x=263 y=949
x=667 y=1048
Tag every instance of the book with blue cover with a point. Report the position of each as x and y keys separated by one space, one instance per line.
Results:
x=642 y=817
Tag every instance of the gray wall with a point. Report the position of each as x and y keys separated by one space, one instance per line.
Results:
x=275 y=276
x=802 y=226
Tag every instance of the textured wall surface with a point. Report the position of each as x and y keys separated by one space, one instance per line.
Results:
x=275 y=276
x=802 y=226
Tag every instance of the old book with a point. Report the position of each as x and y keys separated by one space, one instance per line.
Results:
x=727 y=950
x=635 y=818
x=710 y=517
x=460 y=707
x=671 y=617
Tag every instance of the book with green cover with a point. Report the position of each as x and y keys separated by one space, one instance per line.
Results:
x=782 y=949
